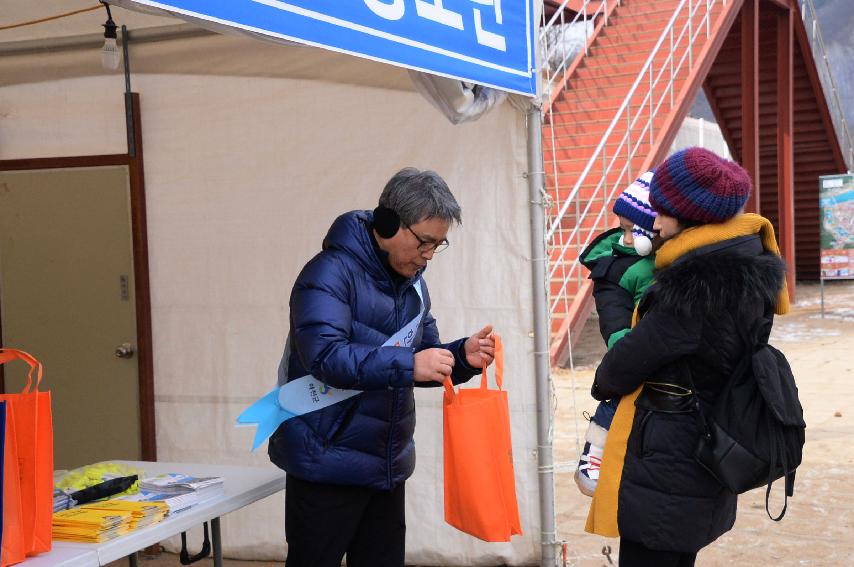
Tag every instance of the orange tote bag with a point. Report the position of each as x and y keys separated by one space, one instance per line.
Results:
x=31 y=436
x=480 y=488
x=12 y=549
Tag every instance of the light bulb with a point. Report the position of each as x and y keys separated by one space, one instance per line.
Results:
x=110 y=55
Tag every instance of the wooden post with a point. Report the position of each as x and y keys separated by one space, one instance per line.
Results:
x=785 y=151
x=139 y=234
x=750 y=98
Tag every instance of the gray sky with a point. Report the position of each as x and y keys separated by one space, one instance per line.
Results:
x=836 y=18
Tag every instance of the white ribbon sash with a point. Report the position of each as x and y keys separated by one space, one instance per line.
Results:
x=306 y=394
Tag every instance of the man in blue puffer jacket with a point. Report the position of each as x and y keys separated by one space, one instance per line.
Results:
x=347 y=463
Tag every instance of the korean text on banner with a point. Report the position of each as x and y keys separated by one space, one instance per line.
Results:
x=488 y=42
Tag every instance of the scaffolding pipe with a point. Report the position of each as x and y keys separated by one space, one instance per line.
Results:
x=545 y=466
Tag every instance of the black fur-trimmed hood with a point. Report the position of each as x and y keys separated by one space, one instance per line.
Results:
x=721 y=277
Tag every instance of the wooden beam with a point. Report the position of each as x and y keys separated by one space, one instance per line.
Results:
x=785 y=147
x=139 y=235
x=750 y=98
x=63 y=162
x=785 y=4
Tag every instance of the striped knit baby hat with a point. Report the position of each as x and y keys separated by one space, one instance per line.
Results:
x=633 y=204
x=698 y=185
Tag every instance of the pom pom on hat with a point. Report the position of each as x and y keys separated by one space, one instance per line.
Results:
x=642 y=241
x=698 y=185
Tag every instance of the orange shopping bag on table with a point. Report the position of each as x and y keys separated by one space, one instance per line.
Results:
x=29 y=448
x=12 y=538
x=480 y=488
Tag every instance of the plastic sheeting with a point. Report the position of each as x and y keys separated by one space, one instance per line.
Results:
x=243 y=175
x=565 y=41
x=458 y=101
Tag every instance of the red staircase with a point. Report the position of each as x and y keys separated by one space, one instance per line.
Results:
x=617 y=113
x=614 y=110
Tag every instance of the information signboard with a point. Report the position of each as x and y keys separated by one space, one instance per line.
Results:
x=836 y=203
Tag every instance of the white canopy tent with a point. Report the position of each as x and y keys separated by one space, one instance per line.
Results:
x=251 y=150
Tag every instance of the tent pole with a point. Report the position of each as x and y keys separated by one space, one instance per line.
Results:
x=545 y=468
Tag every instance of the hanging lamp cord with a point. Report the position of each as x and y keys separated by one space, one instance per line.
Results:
x=49 y=18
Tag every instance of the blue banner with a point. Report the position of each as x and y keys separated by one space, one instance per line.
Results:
x=489 y=42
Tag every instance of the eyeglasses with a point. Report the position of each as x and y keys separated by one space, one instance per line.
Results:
x=429 y=245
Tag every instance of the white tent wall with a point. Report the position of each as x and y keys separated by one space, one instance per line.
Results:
x=243 y=176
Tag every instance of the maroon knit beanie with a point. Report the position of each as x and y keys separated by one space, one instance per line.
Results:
x=698 y=185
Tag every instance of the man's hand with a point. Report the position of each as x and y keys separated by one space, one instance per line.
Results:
x=433 y=365
x=480 y=348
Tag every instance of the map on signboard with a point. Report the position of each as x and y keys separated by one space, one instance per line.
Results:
x=836 y=200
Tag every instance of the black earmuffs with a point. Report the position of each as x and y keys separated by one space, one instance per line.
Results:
x=386 y=222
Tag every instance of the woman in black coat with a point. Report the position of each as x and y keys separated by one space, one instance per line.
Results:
x=718 y=274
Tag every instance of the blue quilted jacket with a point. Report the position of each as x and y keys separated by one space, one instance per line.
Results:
x=344 y=306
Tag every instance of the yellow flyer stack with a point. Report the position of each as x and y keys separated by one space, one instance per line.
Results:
x=102 y=521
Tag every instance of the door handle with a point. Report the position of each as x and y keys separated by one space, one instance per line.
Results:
x=125 y=350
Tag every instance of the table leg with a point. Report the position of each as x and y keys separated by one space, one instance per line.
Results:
x=217 y=543
x=133 y=559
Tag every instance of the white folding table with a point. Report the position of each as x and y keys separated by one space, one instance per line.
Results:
x=64 y=557
x=242 y=486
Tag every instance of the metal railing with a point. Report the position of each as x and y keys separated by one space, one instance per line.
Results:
x=825 y=74
x=632 y=127
x=556 y=59
x=559 y=57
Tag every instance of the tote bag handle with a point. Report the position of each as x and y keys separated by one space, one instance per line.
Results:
x=484 y=378
x=499 y=366
x=9 y=354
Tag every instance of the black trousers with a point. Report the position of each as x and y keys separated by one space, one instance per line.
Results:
x=634 y=554
x=323 y=522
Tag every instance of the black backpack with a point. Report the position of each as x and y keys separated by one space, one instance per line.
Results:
x=754 y=434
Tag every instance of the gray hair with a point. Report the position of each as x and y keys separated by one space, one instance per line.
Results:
x=417 y=195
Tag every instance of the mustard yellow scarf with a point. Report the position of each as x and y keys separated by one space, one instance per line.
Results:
x=602 y=518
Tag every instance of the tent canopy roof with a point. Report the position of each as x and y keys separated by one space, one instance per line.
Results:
x=164 y=45
x=18 y=11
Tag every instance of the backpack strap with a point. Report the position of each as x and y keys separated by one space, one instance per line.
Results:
x=787 y=475
x=740 y=368
x=790 y=483
x=778 y=452
x=698 y=412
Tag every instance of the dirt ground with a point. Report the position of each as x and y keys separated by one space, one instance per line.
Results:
x=817 y=528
